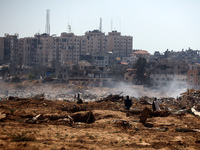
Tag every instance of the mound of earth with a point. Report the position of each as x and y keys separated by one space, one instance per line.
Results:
x=58 y=125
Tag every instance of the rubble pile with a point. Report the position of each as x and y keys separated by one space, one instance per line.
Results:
x=101 y=124
x=74 y=108
x=29 y=89
x=112 y=98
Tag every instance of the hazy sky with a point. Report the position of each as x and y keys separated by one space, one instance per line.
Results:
x=156 y=25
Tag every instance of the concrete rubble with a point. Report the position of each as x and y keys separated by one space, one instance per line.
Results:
x=102 y=114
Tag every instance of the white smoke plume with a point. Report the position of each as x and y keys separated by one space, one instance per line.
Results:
x=67 y=92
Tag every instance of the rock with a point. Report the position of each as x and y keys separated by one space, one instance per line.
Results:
x=195 y=112
x=160 y=113
x=144 y=115
x=86 y=117
x=74 y=108
x=80 y=101
x=2 y=116
x=121 y=123
x=185 y=130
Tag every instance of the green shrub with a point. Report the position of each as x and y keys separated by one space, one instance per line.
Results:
x=31 y=77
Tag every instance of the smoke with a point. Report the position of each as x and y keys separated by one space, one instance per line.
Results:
x=29 y=90
x=67 y=92
x=171 y=89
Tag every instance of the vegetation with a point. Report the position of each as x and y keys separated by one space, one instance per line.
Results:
x=31 y=77
x=52 y=75
x=18 y=137
x=16 y=79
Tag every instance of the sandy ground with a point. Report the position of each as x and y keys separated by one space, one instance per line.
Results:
x=112 y=128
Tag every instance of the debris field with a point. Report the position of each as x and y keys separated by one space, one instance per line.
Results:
x=39 y=123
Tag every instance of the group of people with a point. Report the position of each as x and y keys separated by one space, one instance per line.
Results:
x=155 y=104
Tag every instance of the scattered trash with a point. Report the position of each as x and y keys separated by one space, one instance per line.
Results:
x=108 y=114
x=195 y=112
x=186 y=130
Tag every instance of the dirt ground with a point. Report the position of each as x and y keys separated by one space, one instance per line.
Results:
x=111 y=129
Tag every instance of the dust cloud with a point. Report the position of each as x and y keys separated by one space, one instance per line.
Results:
x=172 y=89
x=67 y=91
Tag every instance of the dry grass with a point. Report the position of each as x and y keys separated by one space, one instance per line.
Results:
x=23 y=136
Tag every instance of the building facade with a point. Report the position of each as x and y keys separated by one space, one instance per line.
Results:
x=120 y=46
x=1 y=50
x=10 y=48
x=168 y=71
x=193 y=75
x=46 y=50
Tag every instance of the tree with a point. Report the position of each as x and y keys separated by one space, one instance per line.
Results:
x=141 y=70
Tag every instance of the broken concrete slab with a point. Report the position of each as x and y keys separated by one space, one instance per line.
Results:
x=2 y=116
x=86 y=117
x=160 y=113
x=186 y=130
x=195 y=112
x=74 y=108
x=121 y=123
x=144 y=115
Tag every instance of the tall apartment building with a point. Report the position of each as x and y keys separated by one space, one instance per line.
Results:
x=1 y=50
x=95 y=42
x=46 y=50
x=120 y=46
x=10 y=48
x=70 y=48
x=29 y=50
x=19 y=52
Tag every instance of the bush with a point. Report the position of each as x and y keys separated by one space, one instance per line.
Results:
x=19 y=137
x=31 y=77
x=16 y=79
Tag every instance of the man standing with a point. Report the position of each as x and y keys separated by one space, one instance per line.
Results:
x=155 y=105
x=128 y=102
